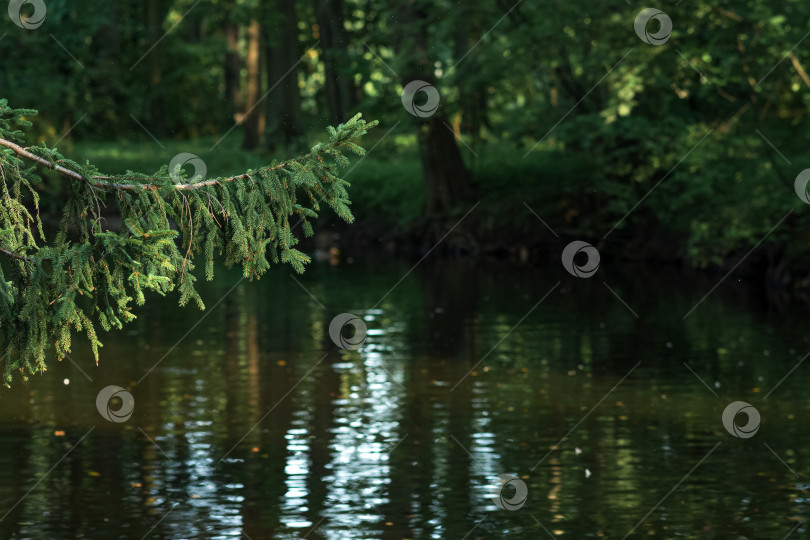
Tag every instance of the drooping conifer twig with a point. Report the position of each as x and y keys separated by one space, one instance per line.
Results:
x=87 y=274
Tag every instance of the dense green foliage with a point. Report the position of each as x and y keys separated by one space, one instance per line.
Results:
x=613 y=116
x=89 y=272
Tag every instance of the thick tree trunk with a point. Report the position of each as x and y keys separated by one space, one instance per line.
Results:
x=446 y=176
x=253 y=111
x=283 y=52
x=447 y=179
x=339 y=87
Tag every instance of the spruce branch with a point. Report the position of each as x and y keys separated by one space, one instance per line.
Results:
x=88 y=275
x=145 y=182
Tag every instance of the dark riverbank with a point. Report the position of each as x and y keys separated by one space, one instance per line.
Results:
x=482 y=237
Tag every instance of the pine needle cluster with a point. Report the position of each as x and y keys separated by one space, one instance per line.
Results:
x=89 y=276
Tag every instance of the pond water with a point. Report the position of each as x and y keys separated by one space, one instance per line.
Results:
x=596 y=394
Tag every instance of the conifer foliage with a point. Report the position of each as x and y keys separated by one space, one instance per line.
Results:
x=89 y=276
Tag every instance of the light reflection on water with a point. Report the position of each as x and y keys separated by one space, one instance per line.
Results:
x=367 y=417
x=258 y=426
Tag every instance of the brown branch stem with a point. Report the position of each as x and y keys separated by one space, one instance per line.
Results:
x=111 y=182
x=22 y=152
x=14 y=255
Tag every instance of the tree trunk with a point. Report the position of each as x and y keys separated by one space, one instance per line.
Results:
x=447 y=179
x=339 y=88
x=283 y=52
x=473 y=113
x=252 y=105
x=233 y=67
x=446 y=176
x=156 y=117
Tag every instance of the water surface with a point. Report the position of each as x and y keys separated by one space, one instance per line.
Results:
x=251 y=423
